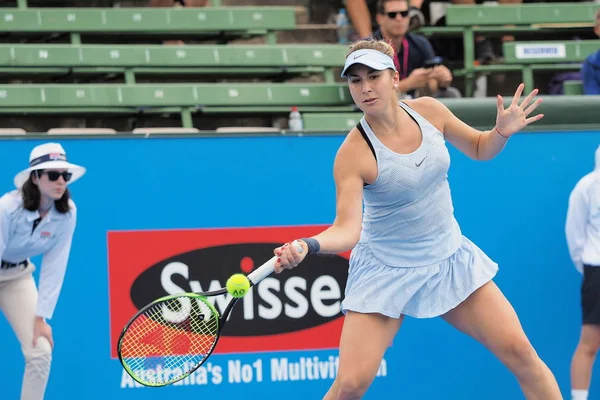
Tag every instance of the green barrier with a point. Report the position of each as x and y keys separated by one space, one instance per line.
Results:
x=560 y=113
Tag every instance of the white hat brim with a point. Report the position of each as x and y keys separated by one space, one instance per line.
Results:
x=371 y=58
x=77 y=171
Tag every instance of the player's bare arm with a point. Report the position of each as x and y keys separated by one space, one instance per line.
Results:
x=476 y=144
x=348 y=171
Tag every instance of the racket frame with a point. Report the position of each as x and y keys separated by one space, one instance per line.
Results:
x=254 y=277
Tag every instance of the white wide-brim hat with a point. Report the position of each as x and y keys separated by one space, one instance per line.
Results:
x=48 y=156
x=371 y=58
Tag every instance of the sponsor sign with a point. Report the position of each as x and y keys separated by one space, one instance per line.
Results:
x=298 y=309
x=537 y=51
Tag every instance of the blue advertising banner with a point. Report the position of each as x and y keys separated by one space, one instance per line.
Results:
x=161 y=215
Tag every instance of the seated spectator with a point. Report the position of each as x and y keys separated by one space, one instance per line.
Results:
x=590 y=71
x=413 y=52
x=361 y=12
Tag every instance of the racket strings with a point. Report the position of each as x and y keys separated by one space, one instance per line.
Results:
x=169 y=340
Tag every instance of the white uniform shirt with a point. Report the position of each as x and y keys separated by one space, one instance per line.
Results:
x=52 y=238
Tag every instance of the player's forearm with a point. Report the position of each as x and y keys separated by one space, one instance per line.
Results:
x=336 y=239
x=406 y=85
x=360 y=16
x=490 y=144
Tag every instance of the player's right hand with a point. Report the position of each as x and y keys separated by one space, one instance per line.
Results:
x=419 y=77
x=288 y=257
x=41 y=328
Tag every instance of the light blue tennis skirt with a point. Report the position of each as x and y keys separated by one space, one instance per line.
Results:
x=420 y=292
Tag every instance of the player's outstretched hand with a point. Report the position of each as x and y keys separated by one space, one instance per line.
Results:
x=516 y=117
x=289 y=257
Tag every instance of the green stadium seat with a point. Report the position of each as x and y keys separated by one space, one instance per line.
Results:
x=548 y=56
x=149 y=95
x=22 y=59
x=573 y=87
x=184 y=99
x=522 y=14
x=147 y=21
x=549 y=52
x=518 y=19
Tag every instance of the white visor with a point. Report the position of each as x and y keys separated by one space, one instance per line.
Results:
x=371 y=58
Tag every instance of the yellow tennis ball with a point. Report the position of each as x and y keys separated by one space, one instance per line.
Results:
x=237 y=285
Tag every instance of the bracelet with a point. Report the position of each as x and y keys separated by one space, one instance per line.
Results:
x=313 y=245
x=496 y=128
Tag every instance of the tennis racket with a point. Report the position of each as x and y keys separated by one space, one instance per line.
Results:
x=170 y=338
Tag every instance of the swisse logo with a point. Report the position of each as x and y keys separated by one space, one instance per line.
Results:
x=295 y=300
x=298 y=309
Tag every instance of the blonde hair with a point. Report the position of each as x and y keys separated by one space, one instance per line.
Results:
x=372 y=44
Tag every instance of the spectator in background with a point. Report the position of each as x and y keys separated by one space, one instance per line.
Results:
x=582 y=230
x=590 y=71
x=360 y=13
x=412 y=53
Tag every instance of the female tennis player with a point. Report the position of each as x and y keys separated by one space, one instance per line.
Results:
x=37 y=218
x=408 y=254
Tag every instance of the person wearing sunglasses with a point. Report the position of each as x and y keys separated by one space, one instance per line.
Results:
x=36 y=219
x=420 y=72
x=362 y=14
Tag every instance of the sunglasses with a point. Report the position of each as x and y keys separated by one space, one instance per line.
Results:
x=54 y=175
x=392 y=14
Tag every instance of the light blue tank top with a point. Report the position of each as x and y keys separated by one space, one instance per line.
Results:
x=408 y=218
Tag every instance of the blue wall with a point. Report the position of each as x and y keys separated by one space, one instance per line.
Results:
x=513 y=207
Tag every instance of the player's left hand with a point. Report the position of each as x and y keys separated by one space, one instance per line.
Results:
x=511 y=120
x=41 y=328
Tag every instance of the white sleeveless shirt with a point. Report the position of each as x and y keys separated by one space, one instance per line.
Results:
x=408 y=218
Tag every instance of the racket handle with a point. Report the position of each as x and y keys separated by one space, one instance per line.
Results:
x=269 y=267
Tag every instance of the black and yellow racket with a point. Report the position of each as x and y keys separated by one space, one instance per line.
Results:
x=170 y=338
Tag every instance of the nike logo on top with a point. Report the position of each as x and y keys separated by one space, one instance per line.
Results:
x=419 y=164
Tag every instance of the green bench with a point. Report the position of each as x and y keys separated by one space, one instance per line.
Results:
x=547 y=56
x=148 y=21
x=519 y=19
x=559 y=112
x=53 y=59
x=183 y=99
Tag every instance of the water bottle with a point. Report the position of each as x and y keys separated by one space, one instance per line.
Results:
x=342 y=26
x=295 y=120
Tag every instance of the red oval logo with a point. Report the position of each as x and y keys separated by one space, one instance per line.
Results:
x=305 y=297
